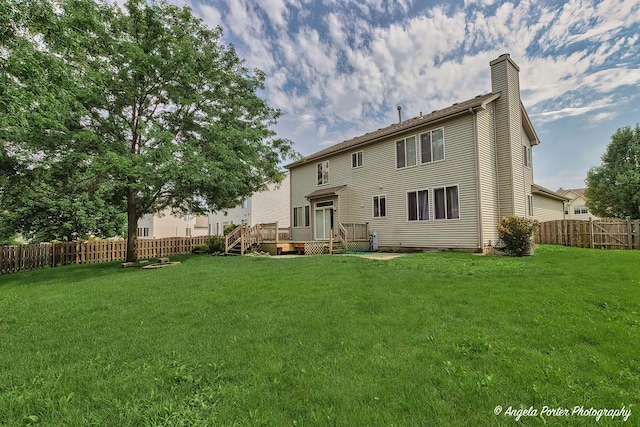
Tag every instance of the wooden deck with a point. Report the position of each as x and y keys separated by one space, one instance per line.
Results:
x=274 y=240
x=312 y=247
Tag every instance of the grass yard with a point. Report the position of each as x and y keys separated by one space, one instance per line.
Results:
x=426 y=339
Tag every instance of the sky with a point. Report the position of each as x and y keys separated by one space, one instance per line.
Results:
x=339 y=68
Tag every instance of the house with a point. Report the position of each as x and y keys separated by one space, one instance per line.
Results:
x=547 y=204
x=268 y=206
x=164 y=224
x=440 y=180
x=576 y=205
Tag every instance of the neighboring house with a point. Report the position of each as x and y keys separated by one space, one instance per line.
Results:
x=576 y=206
x=440 y=180
x=547 y=204
x=268 y=206
x=165 y=224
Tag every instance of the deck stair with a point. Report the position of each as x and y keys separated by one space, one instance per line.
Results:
x=338 y=248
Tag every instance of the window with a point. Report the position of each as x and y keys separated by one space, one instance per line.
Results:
x=530 y=204
x=432 y=146
x=188 y=232
x=143 y=231
x=580 y=209
x=527 y=156
x=446 y=203
x=245 y=203
x=301 y=216
x=406 y=152
x=418 y=205
x=323 y=173
x=356 y=160
x=379 y=206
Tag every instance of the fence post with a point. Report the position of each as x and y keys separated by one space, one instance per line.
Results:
x=591 y=232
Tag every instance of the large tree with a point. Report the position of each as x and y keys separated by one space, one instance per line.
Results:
x=150 y=104
x=613 y=188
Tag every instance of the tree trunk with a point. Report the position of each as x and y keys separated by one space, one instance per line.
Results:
x=132 y=226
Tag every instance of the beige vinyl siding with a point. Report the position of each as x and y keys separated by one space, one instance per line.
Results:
x=378 y=175
x=578 y=201
x=272 y=205
x=488 y=178
x=504 y=79
x=526 y=173
x=164 y=224
x=547 y=209
x=303 y=182
x=500 y=83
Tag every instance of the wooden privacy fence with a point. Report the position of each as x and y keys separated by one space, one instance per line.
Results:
x=609 y=233
x=28 y=257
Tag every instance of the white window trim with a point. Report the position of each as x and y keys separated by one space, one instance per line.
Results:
x=406 y=201
x=395 y=151
x=530 y=206
x=361 y=152
x=445 y=201
x=324 y=164
x=528 y=157
x=444 y=147
x=373 y=206
x=305 y=217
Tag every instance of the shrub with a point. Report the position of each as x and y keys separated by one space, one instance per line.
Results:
x=214 y=244
x=229 y=228
x=517 y=234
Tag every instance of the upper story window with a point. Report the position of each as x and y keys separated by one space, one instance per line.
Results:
x=580 y=209
x=432 y=146
x=528 y=160
x=446 y=203
x=356 y=159
x=406 y=152
x=323 y=172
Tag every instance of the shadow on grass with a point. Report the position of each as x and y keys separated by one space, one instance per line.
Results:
x=76 y=273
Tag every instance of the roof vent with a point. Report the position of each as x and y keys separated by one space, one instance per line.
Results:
x=399 y=113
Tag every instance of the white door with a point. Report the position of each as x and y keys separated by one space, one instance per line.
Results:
x=323 y=220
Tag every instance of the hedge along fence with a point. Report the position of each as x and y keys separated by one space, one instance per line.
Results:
x=29 y=257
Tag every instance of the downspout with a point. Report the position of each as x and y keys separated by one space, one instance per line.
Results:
x=476 y=148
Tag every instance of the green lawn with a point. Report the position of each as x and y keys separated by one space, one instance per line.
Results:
x=426 y=339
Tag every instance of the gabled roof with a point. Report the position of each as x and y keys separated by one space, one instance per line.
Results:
x=478 y=103
x=331 y=191
x=577 y=191
x=545 y=192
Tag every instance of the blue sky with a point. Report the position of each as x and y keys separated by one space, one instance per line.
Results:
x=338 y=68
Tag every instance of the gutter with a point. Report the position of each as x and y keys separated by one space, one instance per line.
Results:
x=480 y=107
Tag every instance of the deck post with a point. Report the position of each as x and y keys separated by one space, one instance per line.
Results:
x=242 y=240
x=331 y=242
x=277 y=235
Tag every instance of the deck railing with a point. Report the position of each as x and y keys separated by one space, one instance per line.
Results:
x=355 y=232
